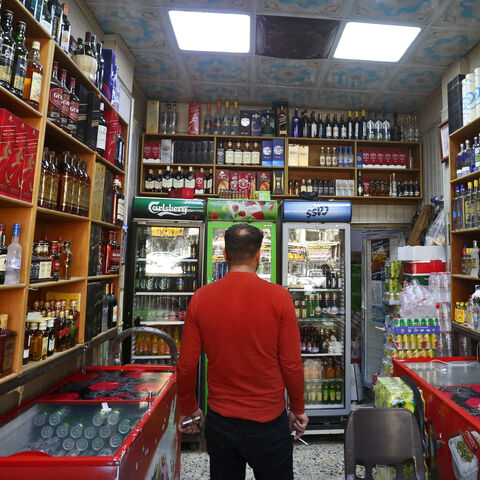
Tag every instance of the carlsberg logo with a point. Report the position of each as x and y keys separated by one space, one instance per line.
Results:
x=161 y=209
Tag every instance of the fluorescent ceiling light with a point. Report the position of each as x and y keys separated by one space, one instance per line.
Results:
x=371 y=41
x=211 y=32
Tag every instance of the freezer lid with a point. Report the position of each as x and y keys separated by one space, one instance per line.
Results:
x=242 y=210
x=168 y=208
x=306 y=211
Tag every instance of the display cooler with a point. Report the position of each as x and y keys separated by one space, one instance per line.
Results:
x=315 y=265
x=103 y=423
x=451 y=390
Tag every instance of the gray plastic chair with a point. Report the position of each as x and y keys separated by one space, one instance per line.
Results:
x=382 y=436
x=114 y=345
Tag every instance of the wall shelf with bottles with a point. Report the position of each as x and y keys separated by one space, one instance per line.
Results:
x=36 y=220
x=102 y=277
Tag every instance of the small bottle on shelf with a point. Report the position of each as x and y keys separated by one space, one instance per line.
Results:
x=7 y=346
x=65 y=271
x=14 y=258
x=33 y=79
x=167 y=181
x=65 y=30
x=220 y=153
x=149 y=181
x=101 y=132
x=118 y=209
x=157 y=181
x=255 y=156
x=189 y=180
x=19 y=70
x=238 y=155
x=207 y=121
x=65 y=107
x=229 y=154
x=235 y=125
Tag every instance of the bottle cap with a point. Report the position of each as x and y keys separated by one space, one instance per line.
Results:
x=16 y=229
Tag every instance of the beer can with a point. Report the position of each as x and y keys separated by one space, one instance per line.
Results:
x=76 y=431
x=40 y=419
x=428 y=341
x=113 y=417
x=400 y=354
x=63 y=430
x=405 y=341
x=115 y=440
x=124 y=426
x=180 y=284
x=409 y=353
x=106 y=452
x=412 y=341
x=97 y=444
x=105 y=431
x=397 y=339
x=430 y=353
x=82 y=444
x=90 y=432
x=99 y=418
x=417 y=353
x=68 y=444
x=46 y=431
x=434 y=341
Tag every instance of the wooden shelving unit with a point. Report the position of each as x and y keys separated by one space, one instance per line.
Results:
x=37 y=222
x=313 y=170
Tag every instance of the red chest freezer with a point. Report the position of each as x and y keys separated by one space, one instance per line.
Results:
x=104 y=423
x=451 y=390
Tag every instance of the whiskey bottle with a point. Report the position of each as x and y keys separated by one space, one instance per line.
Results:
x=65 y=185
x=238 y=155
x=190 y=179
x=86 y=190
x=363 y=127
x=247 y=155
x=320 y=127
x=101 y=132
x=56 y=12
x=7 y=346
x=46 y=17
x=255 y=154
x=207 y=121
x=200 y=182
x=75 y=186
x=229 y=154
x=235 y=128
x=296 y=130
x=3 y=254
x=7 y=55
x=378 y=127
x=328 y=127
x=65 y=110
x=357 y=128
x=44 y=189
x=282 y=123
x=178 y=179
x=65 y=271
x=335 y=127
x=55 y=100
x=157 y=181
x=65 y=30
x=118 y=210
x=220 y=153
x=167 y=181
x=53 y=197
x=74 y=107
x=112 y=308
x=87 y=45
x=209 y=182
x=112 y=255
x=386 y=127
x=101 y=65
x=33 y=79
x=305 y=125
x=350 y=131
x=370 y=128
x=313 y=126
x=343 y=128
x=19 y=71
x=226 y=120
x=360 y=190
x=55 y=259
x=217 y=120
x=149 y=181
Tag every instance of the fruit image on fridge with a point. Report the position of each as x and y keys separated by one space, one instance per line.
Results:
x=164 y=272
x=316 y=272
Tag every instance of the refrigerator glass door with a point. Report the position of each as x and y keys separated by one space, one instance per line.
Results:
x=167 y=273
x=315 y=275
x=217 y=267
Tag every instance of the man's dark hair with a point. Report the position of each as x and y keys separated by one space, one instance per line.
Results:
x=242 y=242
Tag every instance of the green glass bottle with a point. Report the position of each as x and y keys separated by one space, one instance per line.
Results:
x=7 y=54
x=19 y=71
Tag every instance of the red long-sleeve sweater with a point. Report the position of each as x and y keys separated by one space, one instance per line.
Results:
x=250 y=334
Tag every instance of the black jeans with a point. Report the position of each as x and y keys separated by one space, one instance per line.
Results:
x=234 y=442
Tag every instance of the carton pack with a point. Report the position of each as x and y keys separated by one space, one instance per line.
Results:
x=153 y=115
x=13 y=173
x=267 y=154
x=193 y=118
x=234 y=179
x=256 y=124
x=244 y=185
x=7 y=142
x=222 y=179
x=28 y=172
x=264 y=181
x=293 y=154
x=278 y=152
x=303 y=151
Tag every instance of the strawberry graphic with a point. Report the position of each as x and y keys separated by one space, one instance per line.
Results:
x=214 y=216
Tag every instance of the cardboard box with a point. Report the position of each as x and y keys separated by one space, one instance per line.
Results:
x=95 y=245
x=153 y=116
x=193 y=118
x=98 y=185
x=7 y=143
x=293 y=154
x=303 y=151
x=264 y=181
x=234 y=179
x=13 y=174
x=253 y=181
x=165 y=155
x=93 y=116
x=108 y=197
x=267 y=153
x=278 y=182
x=28 y=173
x=278 y=152
x=109 y=73
x=268 y=122
x=93 y=313
x=82 y=93
x=256 y=124
x=419 y=253
x=244 y=185
x=222 y=180
x=245 y=122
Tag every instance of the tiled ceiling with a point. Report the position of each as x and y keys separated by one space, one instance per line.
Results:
x=450 y=28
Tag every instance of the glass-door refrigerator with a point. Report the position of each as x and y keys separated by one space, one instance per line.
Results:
x=222 y=214
x=315 y=269
x=164 y=269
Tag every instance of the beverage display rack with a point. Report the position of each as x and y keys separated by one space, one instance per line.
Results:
x=313 y=170
x=462 y=285
x=37 y=221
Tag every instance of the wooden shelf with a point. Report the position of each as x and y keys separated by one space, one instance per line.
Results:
x=249 y=167
x=109 y=165
x=466 y=230
x=388 y=170
x=54 y=283
x=57 y=138
x=103 y=277
x=16 y=105
x=61 y=216
x=466 y=178
x=384 y=143
x=11 y=287
x=53 y=359
x=465 y=277
x=175 y=165
x=8 y=202
x=320 y=168
x=161 y=194
x=106 y=224
x=466 y=132
x=34 y=29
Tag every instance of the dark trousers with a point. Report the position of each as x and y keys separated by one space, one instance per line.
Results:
x=234 y=442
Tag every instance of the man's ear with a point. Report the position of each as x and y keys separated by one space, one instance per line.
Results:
x=225 y=254
x=258 y=255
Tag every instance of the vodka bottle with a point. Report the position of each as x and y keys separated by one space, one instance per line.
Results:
x=14 y=258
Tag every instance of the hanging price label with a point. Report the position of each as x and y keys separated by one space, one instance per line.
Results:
x=167 y=231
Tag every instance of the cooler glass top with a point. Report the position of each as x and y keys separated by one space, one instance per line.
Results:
x=441 y=373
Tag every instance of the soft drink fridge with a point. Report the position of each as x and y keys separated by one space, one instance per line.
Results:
x=102 y=424
x=316 y=271
x=164 y=270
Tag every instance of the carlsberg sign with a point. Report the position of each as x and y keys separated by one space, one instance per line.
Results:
x=168 y=208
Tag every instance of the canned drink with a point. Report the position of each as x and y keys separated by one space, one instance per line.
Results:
x=409 y=353
x=428 y=341
x=106 y=452
x=180 y=284
x=430 y=353
x=113 y=417
x=400 y=354
x=434 y=341
x=405 y=341
x=90 y=432
x=46 y=431
x=82 y=444
x=115 y=440
x=56 y=418
x=124 y=426
x=395 y=354
x=105 y=431
x=97 y=444
x=412 y=341
x=417 y=353
x=40 y=419
x=397 y=339
x=68 y=444
x=99 y=418
x=76 y=431
x=62 y=430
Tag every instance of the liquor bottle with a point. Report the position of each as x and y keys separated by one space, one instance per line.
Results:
x=386 y=127
x=3 y=254
x=55 y=260
x=328 y=127
x=255 y=154
x=363 y=127
x=65 y=29
x=7 y=346
x=46 y=17
x=112 y=308
x=45 y=182
x=313 y=126
x=343 y=128
x=55 y=100
x=217 y=120
x=334 y=157
x=321 y=127
x=238 y=155
x=335 y=127
x=395 y=131
x=157 y=181
x=164 y=118
x=305 y=125
x=52 y=199
x=296 y=124
x=393 y=186
x=226 y=120
x=112 y=255
x=282 y=122
x=350 y=130
x=7 y=56
x=50 y=338
x=178 y=179
x=220 y=153
x=229 y=154
x=207 y=122
x=172 y=124
x=189 y=180
x=101 y=132
x=357 y=128
x=149 y=181
x=118 y=209
x=65 y=185
x=65 y=108
x=76 y=185
x=200 y=182
x=87 y=45
x=209 y=182
x=20 y=62
x=167 y=182
x=323 y=159
x=101 y=66
x=56 y=13
x=378 y=127
x=370 y=128
x=14 y=258
x=328 y=158
x=86 y=191
x=33 y=77
x=65 y=271
x=267 y=128
x=247 y=155
x=235 y=124
x=73 y=110
x=360 y=190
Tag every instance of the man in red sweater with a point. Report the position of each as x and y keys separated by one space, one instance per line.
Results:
x=250 y=334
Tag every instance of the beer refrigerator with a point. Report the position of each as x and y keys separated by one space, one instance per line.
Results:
x=315 y=269
x=164 y=269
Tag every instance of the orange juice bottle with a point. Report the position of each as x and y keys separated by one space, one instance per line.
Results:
x=139 y=344
x=155 y=345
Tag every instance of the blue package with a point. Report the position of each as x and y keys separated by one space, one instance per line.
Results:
x=267 y=153
x=108 y=73
x=278 y=147
x=359 y=159
x=256 y=124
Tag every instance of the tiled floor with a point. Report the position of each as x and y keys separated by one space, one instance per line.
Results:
x=321 y=460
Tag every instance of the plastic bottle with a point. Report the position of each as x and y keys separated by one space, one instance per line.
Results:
x=470 y=312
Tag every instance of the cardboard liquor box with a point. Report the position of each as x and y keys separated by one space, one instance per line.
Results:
x=293 y=154
x=166 y=152
x=234 y=177
x=98 y=185
x=243 y=182
x=455 y=103
x=267 y=154
x=245 y=122
x=93 y=116
x=193 y=118
x=303 y=151
x=109 y=73
x=82 y=93
x=7 y=142
x=179 y=152
x=94 y=251
x=222 y=180
x=14 y=169
x=153 y=115
x=256 y=124
x=264 y=181
x=268 y=122
x=278 y=152
x=278 y=182
x=210 y=151
x=114 y=130
x=93 y=313
x=28 y=173
x=108 y=197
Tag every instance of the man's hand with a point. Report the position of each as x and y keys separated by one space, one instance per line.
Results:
x=192 y=427
x=298 y=423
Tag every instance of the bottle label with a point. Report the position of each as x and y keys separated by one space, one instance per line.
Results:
x=335 y=132
x=190 y=182
x=120 y=209
x=26 y=352
x=220 y=157
x=229 y=157
x=114 y=315
x=65 y=40
x=6 y=63
x=20 y=73
x=149 y=184
x=157 y=185
x=3 y=262
x=199 y=184
x=73 y=111
x=44 y=346
x=56 y=99
x=51 y=344
x=328 y=132
x=101 y=137
x=36 y=87
x=178 y=183
x=168 y=183
x=65 y=108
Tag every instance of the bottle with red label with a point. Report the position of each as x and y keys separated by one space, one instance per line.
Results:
x=65 y=110
x=55 y=258
x=118 y=202
x=199 y=182
x=55 y=100
x=74 y=106
x=112 y=255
